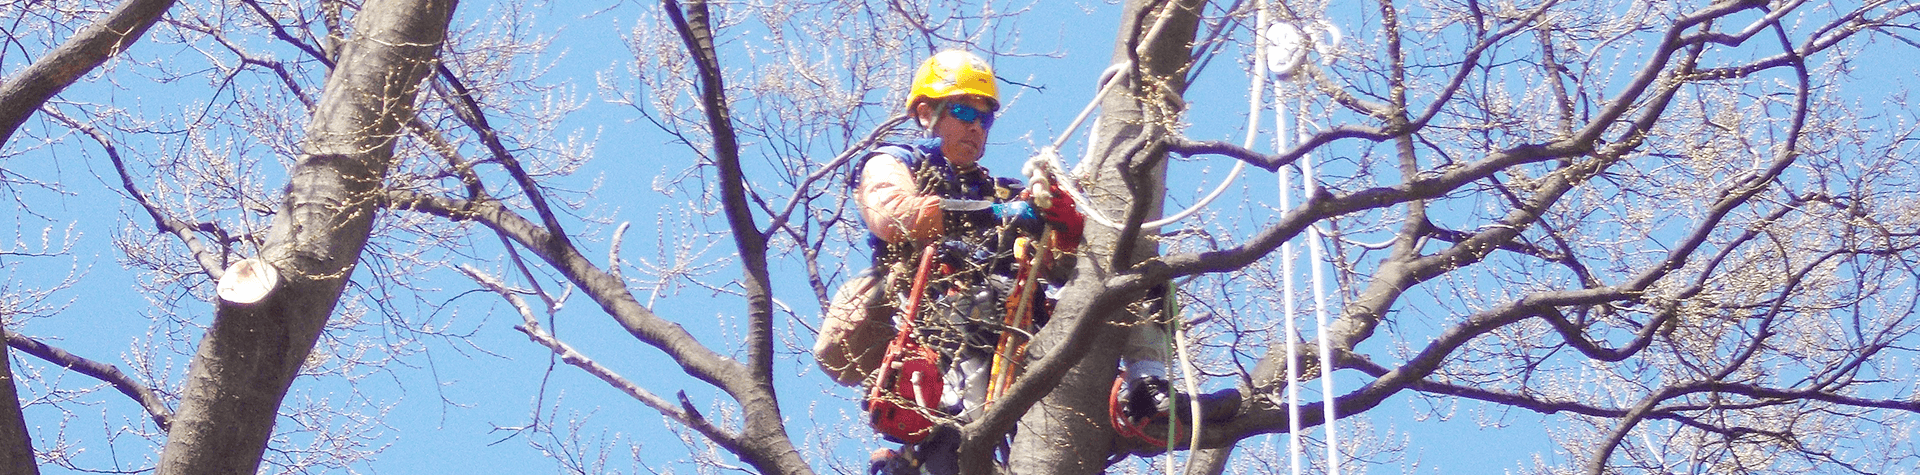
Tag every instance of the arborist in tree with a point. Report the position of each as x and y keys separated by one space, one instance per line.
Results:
x=935 y=191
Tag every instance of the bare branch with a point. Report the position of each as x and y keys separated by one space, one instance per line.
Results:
x=467 y=107
x=213 y=265
x=530 y=326
x=27 y=90
x=110 y=374
x=609 y=291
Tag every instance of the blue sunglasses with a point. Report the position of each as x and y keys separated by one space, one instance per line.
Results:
x=970 y=115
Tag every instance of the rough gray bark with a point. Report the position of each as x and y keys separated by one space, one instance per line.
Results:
x=16 y=445
x=1067 y=431
x=251 y=354
x=25 y=92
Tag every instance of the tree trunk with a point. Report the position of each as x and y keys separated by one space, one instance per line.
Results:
x=16 y=447
x=1068 y=431
x=251 y=354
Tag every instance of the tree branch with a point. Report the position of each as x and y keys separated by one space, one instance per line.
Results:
x=771 y=450
x=779 y=219
x=530 y=326
x=213 y=265
x=280 y=31
x=467 y=107
x=26 y=91
x=110 y=374
x=608 y=291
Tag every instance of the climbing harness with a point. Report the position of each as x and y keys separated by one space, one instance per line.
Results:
x=901 y=403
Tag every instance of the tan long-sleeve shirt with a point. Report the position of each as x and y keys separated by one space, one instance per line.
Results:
x=893 y=207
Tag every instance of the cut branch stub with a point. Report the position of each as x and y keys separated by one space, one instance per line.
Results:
x=248 y=281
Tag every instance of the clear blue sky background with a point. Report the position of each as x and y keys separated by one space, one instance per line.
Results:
x=445 y=404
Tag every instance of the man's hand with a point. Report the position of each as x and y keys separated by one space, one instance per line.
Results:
x=1065 y=218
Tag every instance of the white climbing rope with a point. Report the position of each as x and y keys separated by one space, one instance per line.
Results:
x=1256 y=91
x=1048 y=158
x=1288 y=307
x=1046 y=163
x=1289 y=46
x=1318 y=252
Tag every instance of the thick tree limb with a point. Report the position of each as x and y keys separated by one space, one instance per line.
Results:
x=110 y=374
x=25 y=92
x=697 y=34
x=252 y=352
x=770 y=450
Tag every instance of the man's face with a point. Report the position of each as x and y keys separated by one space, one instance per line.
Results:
x=963 y=142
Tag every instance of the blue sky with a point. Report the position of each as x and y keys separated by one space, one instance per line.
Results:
x=444 y=409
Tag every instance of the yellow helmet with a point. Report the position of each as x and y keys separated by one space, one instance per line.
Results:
x=954 y=73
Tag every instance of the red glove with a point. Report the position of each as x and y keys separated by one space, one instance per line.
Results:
x=1065 y=218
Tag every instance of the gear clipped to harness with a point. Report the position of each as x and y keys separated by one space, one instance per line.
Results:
x=903 y=399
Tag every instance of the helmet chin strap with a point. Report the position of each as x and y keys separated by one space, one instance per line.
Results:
x=927 y=128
